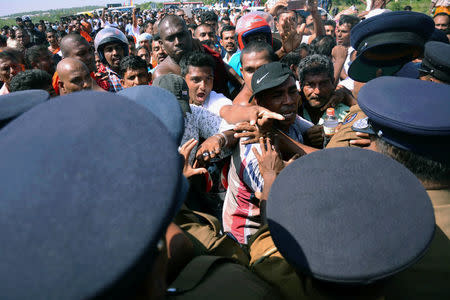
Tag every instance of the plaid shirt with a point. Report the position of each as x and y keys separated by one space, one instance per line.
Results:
x=114 y=80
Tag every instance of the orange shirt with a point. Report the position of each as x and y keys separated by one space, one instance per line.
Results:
x=56 y=50
x=86 y=36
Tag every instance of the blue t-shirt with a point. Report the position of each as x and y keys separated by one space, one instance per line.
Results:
x=235 y=62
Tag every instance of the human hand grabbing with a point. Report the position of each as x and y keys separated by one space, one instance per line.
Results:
x=185 y=150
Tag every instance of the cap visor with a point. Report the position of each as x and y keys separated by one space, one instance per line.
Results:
x=363 y=72
x=269 y=85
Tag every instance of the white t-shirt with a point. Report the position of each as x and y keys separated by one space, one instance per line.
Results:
x=305 y=39
x=130 y=30
x=215 y=102
x=348 y=82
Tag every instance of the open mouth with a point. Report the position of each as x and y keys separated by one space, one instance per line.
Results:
x=201 y=97
x=289 y=115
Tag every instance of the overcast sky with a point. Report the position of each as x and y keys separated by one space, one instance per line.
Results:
x=8 y=7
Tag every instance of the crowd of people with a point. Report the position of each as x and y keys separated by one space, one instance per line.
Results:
x=226 y=152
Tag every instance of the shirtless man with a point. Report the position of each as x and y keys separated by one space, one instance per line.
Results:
x=253 y=56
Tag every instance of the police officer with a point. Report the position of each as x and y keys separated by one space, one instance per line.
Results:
x=411 y=125
x=88 y=203
x=385 y=44
x=14 y=104
x=335 y=241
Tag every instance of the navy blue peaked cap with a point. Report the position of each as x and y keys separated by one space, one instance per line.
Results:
x=408 y=113
x=162 y=104
x=439 y=36
x=396 y=21
x=436 y=61
x=89 y=183
x=388 y=41
x=357 y=216
x=14 y=104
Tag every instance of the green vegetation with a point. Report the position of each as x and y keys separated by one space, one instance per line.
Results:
x=54 y=14
x=48 y=15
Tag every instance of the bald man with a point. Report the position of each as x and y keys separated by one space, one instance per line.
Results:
x=73 y=76
x=76 y=47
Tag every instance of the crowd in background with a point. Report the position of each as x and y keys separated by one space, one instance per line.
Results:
x=255 y=90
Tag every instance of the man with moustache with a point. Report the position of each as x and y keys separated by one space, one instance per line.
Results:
x=228 y=42
x=274 y=88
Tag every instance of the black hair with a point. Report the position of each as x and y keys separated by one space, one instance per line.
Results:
x=426 y=169
x=303 y=46
x=258 y=46
x=323 y=45
x=130 y=39
x=196 y=59
x=313 y=65
x=225 y=18
x=50 y=30
x=30 y=80
x=156 y=38
x=348 y=19
x=33 y=55
x=206 y=25
x=60 y=34
x=11 y=54
x=142 y=47
x=132 y=62
x=3 y=40
x=227 y=28
x=292 y=58
x=408 y=8
x=285 y=11
x=209 y=16
x=192 y=26
x=330 y=23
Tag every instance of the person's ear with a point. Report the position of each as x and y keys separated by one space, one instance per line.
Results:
x=122 y=82
x=61 y=87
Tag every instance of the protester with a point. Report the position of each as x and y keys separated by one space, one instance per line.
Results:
x=9 y=66
x=39 y=57
x=274 y=88
x=112 y=45
x=205 y=32
x=53 y=42
x=230 y=109
x=35 y=79
x=73 y=76
x=442 y=21
x=158 y=53
x=228 y=42
x=133 y=72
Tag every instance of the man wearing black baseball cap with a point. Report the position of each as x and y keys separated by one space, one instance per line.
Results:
x=273 y=88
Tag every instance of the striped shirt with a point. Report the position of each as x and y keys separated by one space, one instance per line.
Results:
x=241 y=216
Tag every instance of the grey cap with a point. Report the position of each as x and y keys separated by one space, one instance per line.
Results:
x=177 y=86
